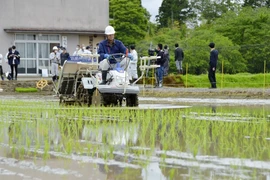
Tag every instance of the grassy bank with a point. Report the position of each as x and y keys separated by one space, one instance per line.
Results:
x=243 y=80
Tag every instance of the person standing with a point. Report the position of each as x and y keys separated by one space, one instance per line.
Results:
x=64 y=56
x=178 y=57
x=14 y=61
x=1 y=68
x=167 y=60
x=213 y=65
x=55 y=61
x=77 y=52
x=132 y=68
x=87 y=50
x=160 y=61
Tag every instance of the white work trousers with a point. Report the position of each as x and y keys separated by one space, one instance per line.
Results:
x=132 y=70
x=104 y=65
x=54 y=69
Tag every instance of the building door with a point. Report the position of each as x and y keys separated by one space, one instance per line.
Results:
x=34 y=51
x=28 y=64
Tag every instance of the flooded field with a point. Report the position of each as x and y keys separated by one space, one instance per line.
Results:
x=163 y=139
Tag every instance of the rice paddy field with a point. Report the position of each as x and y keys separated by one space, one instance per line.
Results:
x=159 y=140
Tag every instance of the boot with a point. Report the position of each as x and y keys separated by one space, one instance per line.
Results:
x=53 y=78
x=2 y=77
x=104 y=78
x=160 y=84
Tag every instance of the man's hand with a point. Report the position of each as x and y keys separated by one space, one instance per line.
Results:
x=106 y=56
x=214 y=69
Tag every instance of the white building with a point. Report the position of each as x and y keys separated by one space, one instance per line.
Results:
x=35 y=26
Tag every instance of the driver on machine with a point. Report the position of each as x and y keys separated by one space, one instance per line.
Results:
x=107 y=47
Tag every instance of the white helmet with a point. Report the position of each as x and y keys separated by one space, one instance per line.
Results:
x=109 y=30
x=55 y=48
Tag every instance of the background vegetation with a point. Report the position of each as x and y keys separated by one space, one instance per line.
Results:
x=241 y=31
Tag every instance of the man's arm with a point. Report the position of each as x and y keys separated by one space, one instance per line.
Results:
x=101 y=51
x=122 y=48
x=175 y=54
x=183 y=55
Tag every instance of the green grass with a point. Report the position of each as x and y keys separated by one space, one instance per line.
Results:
x=243 y=80
x=25 y=90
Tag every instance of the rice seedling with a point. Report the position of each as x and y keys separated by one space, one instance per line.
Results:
x=172 y=137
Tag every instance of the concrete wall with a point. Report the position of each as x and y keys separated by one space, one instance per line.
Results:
x=55 y=14
x=80 y=15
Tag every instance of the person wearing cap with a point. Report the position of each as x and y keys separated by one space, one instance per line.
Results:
x=64 y=56
x=55 y=61
x=213 y=65
x=107 y=47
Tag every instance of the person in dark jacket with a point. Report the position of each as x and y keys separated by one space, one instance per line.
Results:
x=64 y=56
x=167 y=60
x=213 y=65
x=178 y=57
x=14 y=61
x=160 y=70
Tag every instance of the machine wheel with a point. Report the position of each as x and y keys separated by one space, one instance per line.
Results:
x=108 y=100
x=83 y=96
x=132 y=100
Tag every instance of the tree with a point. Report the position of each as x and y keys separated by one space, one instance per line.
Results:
x=250 y=30
x=257 y=3
x=197 y=52
x=211 y=10
x=129 y=19
x=173 y=10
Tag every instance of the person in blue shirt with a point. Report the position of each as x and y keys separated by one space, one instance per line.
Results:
x=107 y=47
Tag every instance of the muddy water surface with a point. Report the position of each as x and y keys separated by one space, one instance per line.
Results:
x=165 y=138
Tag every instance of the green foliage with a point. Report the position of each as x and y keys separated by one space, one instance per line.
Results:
x=210 y=10
x=173 y=10
x=130 y=20
x=241 y=80
x=166 y=36
x=241 y=34
x=197 y=53
x=256 y=3
x=250 y=30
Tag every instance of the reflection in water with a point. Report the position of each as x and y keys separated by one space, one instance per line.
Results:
x=192 y=144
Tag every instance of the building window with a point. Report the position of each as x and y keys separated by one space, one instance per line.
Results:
x=30 y=37
x=19 y=37
x=34 y=50
x=54 y=38
x=43 y=37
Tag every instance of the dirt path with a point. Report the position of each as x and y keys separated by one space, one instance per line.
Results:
x=225 y=93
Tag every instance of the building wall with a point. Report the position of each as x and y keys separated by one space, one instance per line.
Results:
x=55 y=14
x=77 y=15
